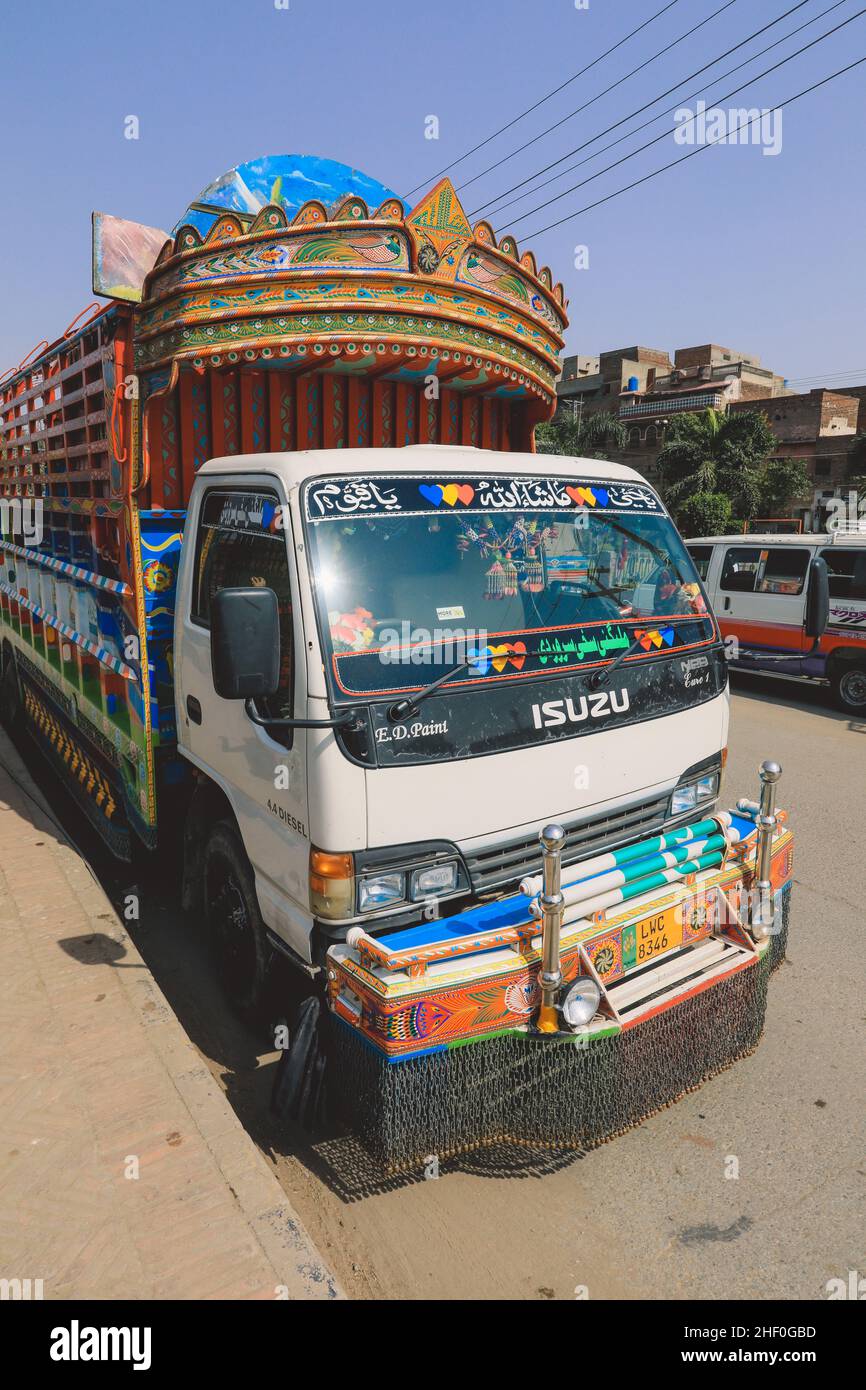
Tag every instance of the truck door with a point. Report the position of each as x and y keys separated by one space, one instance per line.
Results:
x=762 y=595
x=239 y=532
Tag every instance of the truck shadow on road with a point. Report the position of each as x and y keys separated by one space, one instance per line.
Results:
x=792 y=694
x=241 y=1055
x=343 y=1165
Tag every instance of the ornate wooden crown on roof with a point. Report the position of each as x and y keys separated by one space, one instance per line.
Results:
x=287 y=322
x=357 y=285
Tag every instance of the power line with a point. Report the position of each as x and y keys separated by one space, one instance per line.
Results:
x=495 y=205
x=825 y=377
x=700 y=149
x=542 y=100
x=665 y=133
x=640 y=67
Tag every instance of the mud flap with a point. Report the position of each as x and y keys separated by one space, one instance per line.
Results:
x=299 y=1092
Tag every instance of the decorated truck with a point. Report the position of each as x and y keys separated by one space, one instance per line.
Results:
x=441 y=721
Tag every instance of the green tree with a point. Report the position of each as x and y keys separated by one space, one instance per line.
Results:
x=710 y=452
x=705 y=514
x=591 y=437
x=783 y=481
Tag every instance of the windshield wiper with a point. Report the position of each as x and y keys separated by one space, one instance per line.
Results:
x=601 y=677
x=403 y=709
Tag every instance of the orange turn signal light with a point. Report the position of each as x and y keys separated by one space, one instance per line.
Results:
x=326 y=865
x=332 y=883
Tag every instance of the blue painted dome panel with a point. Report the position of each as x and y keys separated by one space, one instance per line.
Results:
x=289 y=180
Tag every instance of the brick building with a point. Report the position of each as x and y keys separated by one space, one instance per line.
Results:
x=821 y=427
x=644 y=389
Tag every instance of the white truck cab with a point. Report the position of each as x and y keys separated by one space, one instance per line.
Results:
x=461 y=645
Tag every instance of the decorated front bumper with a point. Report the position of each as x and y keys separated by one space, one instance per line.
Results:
x=437 y=1032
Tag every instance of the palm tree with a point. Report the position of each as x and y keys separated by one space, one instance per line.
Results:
x=709 y=452
x=593 y=436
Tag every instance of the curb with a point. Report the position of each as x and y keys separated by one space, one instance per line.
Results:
x=299 y=1272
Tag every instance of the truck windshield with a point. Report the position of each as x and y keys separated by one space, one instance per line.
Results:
x=413 y=576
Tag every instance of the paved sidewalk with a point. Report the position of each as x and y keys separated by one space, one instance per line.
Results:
x=98 y=1079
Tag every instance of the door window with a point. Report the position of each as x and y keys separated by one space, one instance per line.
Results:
x=741 y=569
x=701 y=555
x=241 y=543
x=847 y=572
x=776 y=570
x=783 y=570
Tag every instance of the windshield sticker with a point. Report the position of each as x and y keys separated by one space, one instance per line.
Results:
x=447 y=615
x=402 y=494
x=384 y=671
x=599 y=644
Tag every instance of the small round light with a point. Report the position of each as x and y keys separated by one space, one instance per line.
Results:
x=580 y=1002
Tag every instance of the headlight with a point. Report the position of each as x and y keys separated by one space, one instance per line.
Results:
x=380 y=890
x=435 y=879
x=683 y=799
x=688 y=795
x=580 y=1002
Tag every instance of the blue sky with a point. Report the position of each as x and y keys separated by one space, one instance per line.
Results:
x=764 y=254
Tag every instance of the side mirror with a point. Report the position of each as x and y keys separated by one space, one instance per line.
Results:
x=818 y=599
x=245 y=643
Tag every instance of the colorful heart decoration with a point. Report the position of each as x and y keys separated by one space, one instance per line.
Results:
x=481 y=660
x=581 y=496
x=514 y=652
x=655 y=638
x=451 y=493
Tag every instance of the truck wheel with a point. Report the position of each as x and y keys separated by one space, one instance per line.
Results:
x=849 y=689
x=11 y=711
x=233 y=917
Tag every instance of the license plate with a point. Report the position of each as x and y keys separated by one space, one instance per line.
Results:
x=655 y=935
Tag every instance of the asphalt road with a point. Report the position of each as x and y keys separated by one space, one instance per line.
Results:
x=653 y=1213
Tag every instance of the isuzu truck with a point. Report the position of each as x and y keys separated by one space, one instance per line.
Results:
x=442 y=722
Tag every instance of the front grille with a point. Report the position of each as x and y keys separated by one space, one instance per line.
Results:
x=505 y=864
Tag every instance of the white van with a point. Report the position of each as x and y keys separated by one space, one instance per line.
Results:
x=759 y=587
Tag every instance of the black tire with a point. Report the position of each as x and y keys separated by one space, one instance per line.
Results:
x=234 y=921
x=849 y=687
x=11 y=708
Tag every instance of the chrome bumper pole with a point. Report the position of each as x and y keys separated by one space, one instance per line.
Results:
x=552 y=839
x=763 y=911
